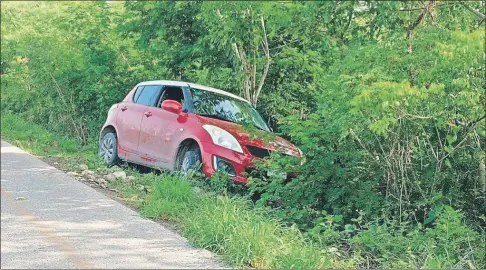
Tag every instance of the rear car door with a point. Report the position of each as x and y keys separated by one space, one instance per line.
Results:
x=129 y=119
x=160 y=130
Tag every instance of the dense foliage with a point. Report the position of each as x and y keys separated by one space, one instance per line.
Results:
x=386 y=100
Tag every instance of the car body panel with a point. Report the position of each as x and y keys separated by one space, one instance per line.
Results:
x=242 y=136
x=128 y=121
x=159 y=134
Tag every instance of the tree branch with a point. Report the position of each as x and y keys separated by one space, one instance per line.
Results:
x=350 y=17
x=267 y=64
x=417 y=21
x=471 y=129
x=479 y=14
x=244 y=66
x=417 y=9
x=419 y=18
x=286 y=44
x=478 y=120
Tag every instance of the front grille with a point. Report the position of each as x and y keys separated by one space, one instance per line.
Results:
x=258 y=152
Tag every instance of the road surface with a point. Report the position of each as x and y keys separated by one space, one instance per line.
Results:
x=50 y=220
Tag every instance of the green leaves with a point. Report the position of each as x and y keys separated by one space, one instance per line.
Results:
x=451 y=138
x=338 y=218
x=383 y=128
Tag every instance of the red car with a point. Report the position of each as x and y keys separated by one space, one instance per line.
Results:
x=178 y=126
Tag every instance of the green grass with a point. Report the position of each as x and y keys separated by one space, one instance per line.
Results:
x=36 y=140
x=229 y=226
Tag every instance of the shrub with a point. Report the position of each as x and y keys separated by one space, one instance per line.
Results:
x=448 y=244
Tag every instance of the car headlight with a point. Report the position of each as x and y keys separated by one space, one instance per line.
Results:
x=223 y=138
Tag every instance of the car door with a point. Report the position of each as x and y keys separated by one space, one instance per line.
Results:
x=160 y=129
x=129 y=119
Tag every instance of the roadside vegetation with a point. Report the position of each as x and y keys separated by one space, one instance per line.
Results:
x=386 y=100
x=228 y=225
x=244 y=234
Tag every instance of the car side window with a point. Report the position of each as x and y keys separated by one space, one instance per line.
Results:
x=148 y=95
x=137 y=93
x=172 y=93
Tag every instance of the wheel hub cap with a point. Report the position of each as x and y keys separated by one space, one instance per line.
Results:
x=185 y=165
x=107 y=149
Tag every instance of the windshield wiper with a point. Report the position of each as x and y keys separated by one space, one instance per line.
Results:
x=215 y=116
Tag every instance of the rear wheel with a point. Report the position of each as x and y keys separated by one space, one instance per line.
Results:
x=108 y=149
x=190 y=160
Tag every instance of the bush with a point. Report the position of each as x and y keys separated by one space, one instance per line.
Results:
x=448 y=244
x=385 y=141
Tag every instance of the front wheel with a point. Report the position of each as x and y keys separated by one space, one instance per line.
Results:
x=191 y=160
x=108 y=149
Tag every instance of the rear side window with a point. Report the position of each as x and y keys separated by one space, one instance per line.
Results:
x=148 y=95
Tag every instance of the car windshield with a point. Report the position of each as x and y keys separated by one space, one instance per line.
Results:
x=210 y=104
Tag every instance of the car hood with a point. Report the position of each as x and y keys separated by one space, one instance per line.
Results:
x=259 y=138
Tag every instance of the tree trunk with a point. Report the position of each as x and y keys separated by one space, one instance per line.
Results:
x=251 y=90
x=482 y=173
x=417 y=21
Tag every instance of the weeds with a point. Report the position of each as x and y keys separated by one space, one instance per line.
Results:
x=38 y=141
x=245 y=235
x=231 y=227
x=171 y=199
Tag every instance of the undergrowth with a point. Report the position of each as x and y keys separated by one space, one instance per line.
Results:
x=245 y=235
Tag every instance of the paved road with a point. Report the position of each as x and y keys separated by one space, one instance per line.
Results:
x=50 y=220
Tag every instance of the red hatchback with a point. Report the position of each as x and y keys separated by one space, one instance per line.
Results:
x=178 y=126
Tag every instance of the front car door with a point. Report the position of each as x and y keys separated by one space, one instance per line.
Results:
x=160 y=130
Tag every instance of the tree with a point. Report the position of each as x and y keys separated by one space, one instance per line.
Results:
x=249 y=64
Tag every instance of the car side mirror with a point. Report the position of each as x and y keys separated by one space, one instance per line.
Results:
x=172 y=106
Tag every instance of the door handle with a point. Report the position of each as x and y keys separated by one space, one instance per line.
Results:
x=124 y=108
x=148 y=114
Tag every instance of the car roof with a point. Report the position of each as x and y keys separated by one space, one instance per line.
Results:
x=192 y=85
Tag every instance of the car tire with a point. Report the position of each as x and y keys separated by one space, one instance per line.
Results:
x=108 y=149
x=190 y=160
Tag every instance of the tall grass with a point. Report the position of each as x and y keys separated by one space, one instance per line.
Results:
x=230 y=226
x=37 y=140
x=170 y=198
